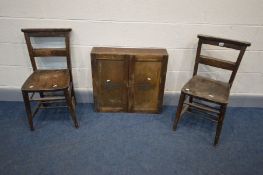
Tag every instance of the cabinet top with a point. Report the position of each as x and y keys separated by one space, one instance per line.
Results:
x=128 y=51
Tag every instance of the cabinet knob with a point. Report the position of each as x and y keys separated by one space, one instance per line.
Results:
x=108 y=81
x=149 y=79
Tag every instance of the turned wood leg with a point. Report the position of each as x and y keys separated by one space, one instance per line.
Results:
x=71 y=107
x=73 y=94
x=41 y=94
x=220 y=123
x=190 y=101
x=28 y=109
x=179 y=110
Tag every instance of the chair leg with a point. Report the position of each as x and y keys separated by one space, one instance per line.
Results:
x=190 y=101
x=220 y=123
x=28 y=109
x=73 y=94
x=41 y=94
x=179 y=110
x=71 y=107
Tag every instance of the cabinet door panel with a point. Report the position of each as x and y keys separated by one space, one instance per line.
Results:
x=112 y=79
x=146 y=80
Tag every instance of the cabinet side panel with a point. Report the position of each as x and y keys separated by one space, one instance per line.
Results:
x=94 y=80
x=162 y=82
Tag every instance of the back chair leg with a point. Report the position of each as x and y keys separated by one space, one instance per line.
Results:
x=28 y=109
x=73 y=94
x=71 y=107
x=190 y=101
x=179 y=110
x=220 y=123
x=41 y=94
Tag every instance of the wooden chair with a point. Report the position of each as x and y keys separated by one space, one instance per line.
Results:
x=47 y=82
x=208 y=95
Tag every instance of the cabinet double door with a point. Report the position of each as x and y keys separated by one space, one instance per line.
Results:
x=128 y=83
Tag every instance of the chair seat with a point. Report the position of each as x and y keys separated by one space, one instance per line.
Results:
x=208 y=89
x=47 y=80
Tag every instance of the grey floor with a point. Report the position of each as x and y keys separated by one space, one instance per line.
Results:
x=121 y=143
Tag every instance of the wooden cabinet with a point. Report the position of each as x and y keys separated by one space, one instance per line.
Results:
x=128 y=79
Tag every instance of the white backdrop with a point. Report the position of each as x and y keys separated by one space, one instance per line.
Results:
x=171 y=24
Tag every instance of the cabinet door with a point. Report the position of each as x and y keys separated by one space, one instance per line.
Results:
x=147 y=77
x=110 y=80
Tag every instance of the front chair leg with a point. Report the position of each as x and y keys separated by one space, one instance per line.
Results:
x=28 y=110
x=71 y=107
x=220 y=123
x=179 y=110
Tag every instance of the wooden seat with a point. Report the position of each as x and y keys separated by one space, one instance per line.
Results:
x=39 y=80
x=208 y=95
x=48 y=82
x=208 y=89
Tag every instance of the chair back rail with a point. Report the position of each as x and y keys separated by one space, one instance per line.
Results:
x=48 y=52
x=216 y=62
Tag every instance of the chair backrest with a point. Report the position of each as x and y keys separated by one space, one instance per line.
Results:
x=48 y=52
x=220 y=63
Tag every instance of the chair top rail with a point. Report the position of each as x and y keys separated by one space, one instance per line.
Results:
x=46 y=32
x=221 y=41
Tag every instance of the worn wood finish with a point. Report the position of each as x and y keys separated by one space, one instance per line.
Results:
x=210 y=90
x=48 y=52
x=202 y=107
x=28 y=109
x=220 y=122
x=52 y=32
x=112 y=85
x=71 y=107
x=127 y=51
x=47 y=80
x=146 y=83
x=179 y=110
x=43 y=81
x=128 y=79
x=223 y=42
x=215 y=62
